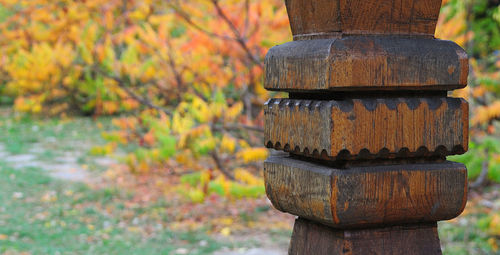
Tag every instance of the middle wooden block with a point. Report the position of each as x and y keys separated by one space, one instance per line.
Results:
x=368 y=128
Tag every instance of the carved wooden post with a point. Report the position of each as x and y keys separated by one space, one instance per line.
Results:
x=366 y=127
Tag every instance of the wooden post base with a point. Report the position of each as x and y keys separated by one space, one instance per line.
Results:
x=313 y=238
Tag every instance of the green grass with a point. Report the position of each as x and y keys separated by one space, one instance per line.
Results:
x=52 y=140
x=474 y=232
x=42 y=215
x=78 y=220
x=464 y=239
x=18 y=136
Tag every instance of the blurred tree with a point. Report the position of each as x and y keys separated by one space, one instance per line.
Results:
x=188 y=74
x=475 y=25
x=189 y=71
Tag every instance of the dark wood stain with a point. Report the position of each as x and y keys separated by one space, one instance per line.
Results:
x=313 y=238
x=366 y=128
x=366 y=62
x=327 y=18
x=399 y=127
x=366 y=196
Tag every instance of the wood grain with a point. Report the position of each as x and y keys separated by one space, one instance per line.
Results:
x=366 y=63
x=366 y=196
x=415 y=17
x=368 y=128
x=312 y=238
x=310 y=19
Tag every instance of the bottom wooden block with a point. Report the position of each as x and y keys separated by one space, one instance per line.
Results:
x=313 y=238
x=366 y=196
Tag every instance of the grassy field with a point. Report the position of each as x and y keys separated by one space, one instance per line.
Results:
x=41 y=214
x=52 y=201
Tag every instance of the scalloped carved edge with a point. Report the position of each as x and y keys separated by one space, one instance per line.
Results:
x=370 y=104
x=319 y=110
x=365 y=153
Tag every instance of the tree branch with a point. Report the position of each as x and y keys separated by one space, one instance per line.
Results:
x=187 y=19
x=484 y=173
x=143 y=100
x=220 y=166
x=239 y=38
x=237 y=127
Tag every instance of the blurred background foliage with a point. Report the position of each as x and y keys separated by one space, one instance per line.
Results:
x=182 y=81
x=475 y=25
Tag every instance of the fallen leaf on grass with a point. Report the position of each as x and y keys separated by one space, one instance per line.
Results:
x=493 y=243
x=181 y=251
x=226 y=231
x=17 y=195
x=50 y=196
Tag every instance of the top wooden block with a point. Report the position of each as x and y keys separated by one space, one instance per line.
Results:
x=365 y=63
x=327 y=18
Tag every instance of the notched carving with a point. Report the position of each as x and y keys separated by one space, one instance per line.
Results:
x=368 y=128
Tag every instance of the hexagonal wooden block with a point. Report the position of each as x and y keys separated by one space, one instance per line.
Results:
x=366 y=63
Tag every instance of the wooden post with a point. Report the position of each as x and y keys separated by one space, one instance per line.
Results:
x=366 y=128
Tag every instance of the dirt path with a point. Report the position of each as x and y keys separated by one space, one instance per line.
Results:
x=64 y=167
x=254 y=251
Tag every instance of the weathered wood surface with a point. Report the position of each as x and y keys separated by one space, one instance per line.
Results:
x=313 y=238
x=320 y=18
x=366 y=196
x=368 y=128
x=367 y=63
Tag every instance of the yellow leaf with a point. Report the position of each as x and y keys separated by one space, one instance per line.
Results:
x=464 y=93
x=233 y=111
x=243 y=144
x=252 y=154
x=493 y=244
x=478 y=91
x=183 y=158
x=225 y=221
x=494 y=227
x=50 y=196
x=225 y=231
x=244 y=176
x=205 y=177
x=226 y=185
x=196 y=196
x=228 y=144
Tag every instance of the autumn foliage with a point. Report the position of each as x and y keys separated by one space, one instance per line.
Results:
x=475 y=25
x=183 y=79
